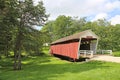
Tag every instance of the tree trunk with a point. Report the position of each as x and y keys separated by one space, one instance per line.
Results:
x=6 y=50
x=17 y=51
x=6 y=47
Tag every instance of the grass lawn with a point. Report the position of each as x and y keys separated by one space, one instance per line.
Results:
x=50 y=68
x=117 y=53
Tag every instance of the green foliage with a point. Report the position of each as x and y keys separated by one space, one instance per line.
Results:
x=14 y=14
x=117 y=53
x=108 y=34
x=7 y=26
x=63 y=24
x=17 y=21
x=33 y=43
x=58 y=28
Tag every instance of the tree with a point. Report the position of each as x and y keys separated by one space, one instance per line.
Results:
x=32 y=42
x=78 y=25
x=7 y=29
x=108 y=34
x=58 y=28
x=28 y=16
x=17 y=21
x=115 y=37
x=61 y=26
x=48 y=32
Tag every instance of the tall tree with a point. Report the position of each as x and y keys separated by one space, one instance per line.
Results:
x=29 y=15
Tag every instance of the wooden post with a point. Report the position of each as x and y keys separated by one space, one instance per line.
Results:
x=96 y=46
x=79 y=48
x=110 y=52
x=85 y=53
x=91 y=54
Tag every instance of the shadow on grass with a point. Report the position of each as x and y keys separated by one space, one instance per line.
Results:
x=44 y=68
x=6 y=64
x=70 y=59
x=49 y=71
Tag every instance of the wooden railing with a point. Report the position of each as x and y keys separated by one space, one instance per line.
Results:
x=105 y=52
x=86 y=52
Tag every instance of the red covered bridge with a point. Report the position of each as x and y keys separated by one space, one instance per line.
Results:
x=75 y=45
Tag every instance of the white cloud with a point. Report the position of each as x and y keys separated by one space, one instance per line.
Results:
x=100 y=16
x=112 y=5
x=73 y=7
x=83 y=8
x=115 y=20
x=80 y=8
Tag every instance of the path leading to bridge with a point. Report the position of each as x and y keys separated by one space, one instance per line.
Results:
x=107 y=58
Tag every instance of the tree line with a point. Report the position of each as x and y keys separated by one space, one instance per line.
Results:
x=66 y=25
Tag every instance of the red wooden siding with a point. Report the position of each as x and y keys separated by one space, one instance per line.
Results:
x=67 y=49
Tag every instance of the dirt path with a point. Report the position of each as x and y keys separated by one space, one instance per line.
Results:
x=106 y=58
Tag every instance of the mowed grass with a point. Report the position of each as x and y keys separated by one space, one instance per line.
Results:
x=51 y=68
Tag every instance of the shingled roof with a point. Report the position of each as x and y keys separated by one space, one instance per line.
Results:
x=82 y=34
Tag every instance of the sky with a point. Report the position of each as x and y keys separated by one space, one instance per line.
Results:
x=92 y=9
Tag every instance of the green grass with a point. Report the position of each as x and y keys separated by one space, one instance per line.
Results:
x=117 y=53
x=51 y=68
x=46 y=50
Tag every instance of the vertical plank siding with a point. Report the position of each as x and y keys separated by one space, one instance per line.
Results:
x=68 y=49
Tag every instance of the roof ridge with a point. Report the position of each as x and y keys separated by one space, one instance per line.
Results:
x=73 y=36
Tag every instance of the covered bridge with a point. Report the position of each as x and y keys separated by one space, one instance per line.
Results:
x=75 y=45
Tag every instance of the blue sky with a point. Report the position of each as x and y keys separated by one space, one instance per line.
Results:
x=92 y=9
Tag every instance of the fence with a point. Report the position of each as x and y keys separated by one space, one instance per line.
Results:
x=86 y=52
x=104 y=52
x=90 y=52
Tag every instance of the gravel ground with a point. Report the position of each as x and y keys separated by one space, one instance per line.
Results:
x=107 y=58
